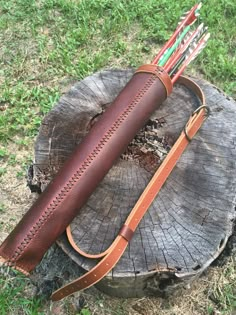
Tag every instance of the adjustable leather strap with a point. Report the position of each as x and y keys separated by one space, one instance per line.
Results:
x=160 y=73
x=112 y=255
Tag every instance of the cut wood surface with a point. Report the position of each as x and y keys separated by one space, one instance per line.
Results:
x=191 y=219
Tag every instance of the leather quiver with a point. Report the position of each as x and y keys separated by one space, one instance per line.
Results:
x=69 y=190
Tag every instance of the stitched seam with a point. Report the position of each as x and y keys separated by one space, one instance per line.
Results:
x=6 y=262
x=4 y=256
x=67 y=188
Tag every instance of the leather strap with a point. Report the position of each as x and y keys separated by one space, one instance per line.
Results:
x=160 y=73
x=112 y=255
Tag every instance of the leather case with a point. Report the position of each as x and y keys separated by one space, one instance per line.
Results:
x=56 y=207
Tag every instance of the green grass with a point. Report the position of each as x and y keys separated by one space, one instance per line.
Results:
x=46 y=44
x=13 y=296
x=223 y=293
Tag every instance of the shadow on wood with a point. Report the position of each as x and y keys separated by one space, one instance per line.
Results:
x=190 y=221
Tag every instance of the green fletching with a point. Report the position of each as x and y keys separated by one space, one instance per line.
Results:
x=170 y=50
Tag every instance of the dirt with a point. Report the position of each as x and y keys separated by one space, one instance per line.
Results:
x=15 y=197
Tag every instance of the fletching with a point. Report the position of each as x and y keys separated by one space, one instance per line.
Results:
x=183 y=17
x=184 y=45
x=200 y=47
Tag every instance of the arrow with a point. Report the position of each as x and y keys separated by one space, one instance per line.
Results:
x=193 y=52
x=197 y=33
x=189 y=19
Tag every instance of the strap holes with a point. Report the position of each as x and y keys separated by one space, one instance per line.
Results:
x=107 y=264
x=95 y=275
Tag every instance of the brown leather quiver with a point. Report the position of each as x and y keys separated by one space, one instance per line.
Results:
x=56 y=207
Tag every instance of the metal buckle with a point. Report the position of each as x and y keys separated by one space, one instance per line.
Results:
x=186 y=134
x=207 y=110
x=207 y=113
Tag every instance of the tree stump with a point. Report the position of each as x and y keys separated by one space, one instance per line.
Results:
x=191 y=219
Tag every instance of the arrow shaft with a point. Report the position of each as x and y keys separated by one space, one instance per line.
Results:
x=182 y=49
x=194 y=53
x=174 y=47
x=190 y=18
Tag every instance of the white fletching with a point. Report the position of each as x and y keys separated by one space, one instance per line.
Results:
x=199 y=48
